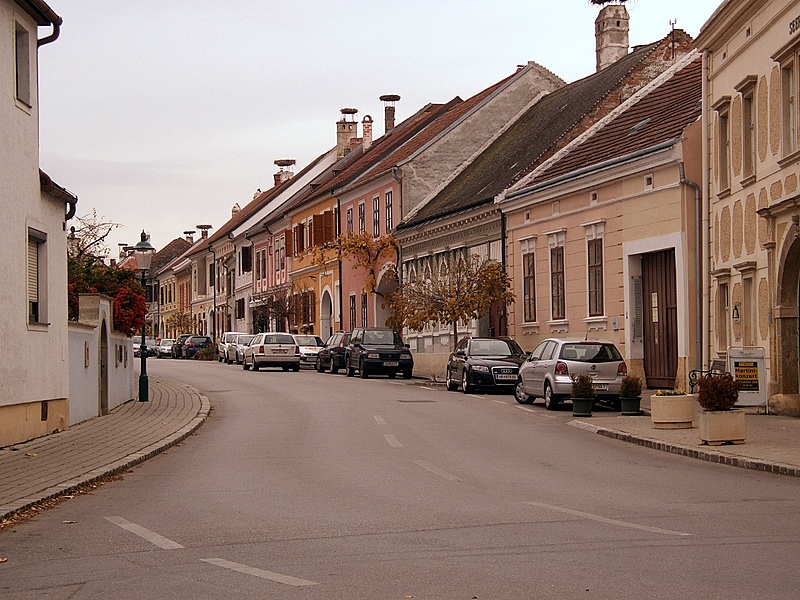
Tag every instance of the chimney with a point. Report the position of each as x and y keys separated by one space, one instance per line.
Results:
x=345 y=130
x=285 y=173
x=611 y=35
x=189 y=236
x=366 y=131
x=235 y=209
x=204 y=231
x=388 y=110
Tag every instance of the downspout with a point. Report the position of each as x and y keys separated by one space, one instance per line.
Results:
x=703 y=275
x=53 y=36
x=399 y=181
x=698 y=259
x=339 y=262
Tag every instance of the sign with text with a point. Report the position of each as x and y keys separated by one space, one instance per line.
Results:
x=747 y=367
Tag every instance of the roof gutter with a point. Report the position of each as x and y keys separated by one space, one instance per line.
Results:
x=44 y=16
x=590 y=169
x=59 y=193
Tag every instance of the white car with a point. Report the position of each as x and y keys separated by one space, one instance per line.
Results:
x=164 y=348
x=309 y=345
x=240 y=345
x=272 y=350
x=227 y=346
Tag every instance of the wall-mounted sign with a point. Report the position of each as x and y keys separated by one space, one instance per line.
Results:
x=747 y=367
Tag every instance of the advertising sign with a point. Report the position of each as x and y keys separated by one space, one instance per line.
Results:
x=747 y=367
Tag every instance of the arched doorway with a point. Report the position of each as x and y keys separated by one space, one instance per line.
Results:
x=102 y=392
x=326 y=316
x=787 y=340
x=387 y=283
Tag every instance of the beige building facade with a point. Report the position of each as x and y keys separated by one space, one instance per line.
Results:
x=752 y=160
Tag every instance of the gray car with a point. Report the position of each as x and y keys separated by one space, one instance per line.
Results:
x=548 y=371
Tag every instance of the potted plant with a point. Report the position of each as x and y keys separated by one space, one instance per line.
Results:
x=630 y=396
x=719 y=422
x=582 y=396
x=671 y=409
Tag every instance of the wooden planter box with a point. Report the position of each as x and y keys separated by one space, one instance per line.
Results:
x=672 y=412
x=720 y=426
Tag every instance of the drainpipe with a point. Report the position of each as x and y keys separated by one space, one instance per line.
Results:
x=703 y=275
x=698 y=260
x=399 y=181
x=214 y=324
x=339 y=263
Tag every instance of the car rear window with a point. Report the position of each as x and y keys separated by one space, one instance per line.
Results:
x=590 y=352
x=308 y=340
x=278 y=338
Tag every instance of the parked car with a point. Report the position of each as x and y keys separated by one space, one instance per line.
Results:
x=242 y=341
x=332 y=354
x=550 y=367
x=195 y=343
x=484 y=362
x=309 y=347
x=150 y=344
x=226 y=348
x=272 y=350
x=177 y=347
x=378 y=350
x=164 y=349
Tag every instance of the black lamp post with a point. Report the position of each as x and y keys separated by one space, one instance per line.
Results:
x=143 y=252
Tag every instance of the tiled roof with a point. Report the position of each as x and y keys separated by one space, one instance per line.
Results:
x=541 y=130
x=169 y=253
x=660 y=116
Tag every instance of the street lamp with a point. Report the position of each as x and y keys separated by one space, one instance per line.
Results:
x=143 y=252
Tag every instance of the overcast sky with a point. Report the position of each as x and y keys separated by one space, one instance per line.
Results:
x=162 y=114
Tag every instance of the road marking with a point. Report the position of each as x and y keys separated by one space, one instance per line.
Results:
x=393 y=442
x=277 y=577
x=436 y=470
x=524 y=408
x=379 y=419
x=600 y=519
x=150 y=536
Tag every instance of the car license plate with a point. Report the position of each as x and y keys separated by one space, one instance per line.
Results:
x=506 y=377
x=390 y=363
x=280 y=351
x=602 y=387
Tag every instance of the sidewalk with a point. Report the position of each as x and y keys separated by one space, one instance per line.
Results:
x=773 y=442
x=55 y=465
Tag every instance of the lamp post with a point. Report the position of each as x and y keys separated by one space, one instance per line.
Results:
x=143 y=252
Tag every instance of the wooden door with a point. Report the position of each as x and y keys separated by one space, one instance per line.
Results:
x=660 y=312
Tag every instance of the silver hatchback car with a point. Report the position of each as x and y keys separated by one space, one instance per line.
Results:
x=272 y=350
x=549 y=370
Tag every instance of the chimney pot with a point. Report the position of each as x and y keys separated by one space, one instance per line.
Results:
x=611 y=35
x=366 y=129
x=189 y=236
x=388 y=110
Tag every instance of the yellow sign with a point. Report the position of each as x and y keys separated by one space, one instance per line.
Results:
x=746 y=373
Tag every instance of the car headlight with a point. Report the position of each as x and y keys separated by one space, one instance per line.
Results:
x=480 y=368
x=373 y=355
x=405 y=356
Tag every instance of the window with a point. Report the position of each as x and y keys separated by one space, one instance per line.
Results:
x=349 y=225
x=37 y=269
x=23 y=64
x=557 y=283
x=748 y=133
x=240 y=308
x=376 y=216
x=723 y=144
x=529 y=287
x=788 y=108
x=595 y=262
x=211 y=278
x=352 y=311
x=246 y=258
x=363 y=309
x=362 y=225
x=389 y=212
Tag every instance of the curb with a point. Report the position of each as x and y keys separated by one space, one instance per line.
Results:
x=707 y=455
x=114 y=468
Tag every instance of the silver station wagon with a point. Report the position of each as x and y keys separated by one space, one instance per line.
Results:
x=272 y=350
x=549 y=370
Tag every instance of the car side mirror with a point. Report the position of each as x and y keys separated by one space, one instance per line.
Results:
x=461 y=353
x=407 y=346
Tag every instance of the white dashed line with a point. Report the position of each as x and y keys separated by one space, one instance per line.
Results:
x=277 y=577
x=146 y=534
x=379 y=419
x=600 y=519
x=393 y=442
x=436 y=470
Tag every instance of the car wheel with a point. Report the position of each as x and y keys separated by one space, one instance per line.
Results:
x=452 y=386
x=466 y=386
x=320 y=368
x=362 y=371
x=219 y=359
x=520 y=396
x=245 y=366
x=255 y=365
x=351 y=372
x=550 y=401
x=407 y=374
x=296 y=368
x=334 y=368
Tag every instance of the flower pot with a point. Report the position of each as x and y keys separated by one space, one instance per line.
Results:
x=630 y=406
x=672 y=412
x=582 y=407
x=717 y=427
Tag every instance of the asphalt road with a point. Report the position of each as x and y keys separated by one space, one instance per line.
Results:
x=319 y=486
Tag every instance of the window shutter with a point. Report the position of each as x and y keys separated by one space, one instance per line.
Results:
x=33 y=271
x=289 y=246
x=327 y=225
x=319 y=231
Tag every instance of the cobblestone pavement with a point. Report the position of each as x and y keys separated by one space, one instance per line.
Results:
x=36 y=471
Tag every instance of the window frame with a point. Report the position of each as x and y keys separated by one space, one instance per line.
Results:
x=389 y=207
x=529 y=286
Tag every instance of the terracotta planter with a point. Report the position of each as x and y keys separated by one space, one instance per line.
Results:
x=672 y=412
x=582 y=407
x=720 y=426
x=630 y=406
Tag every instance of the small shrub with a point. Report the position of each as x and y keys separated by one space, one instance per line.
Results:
x=718 y=392
x=207 y=353
x=582 y=387
x=669 y=393
x=631 y=387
